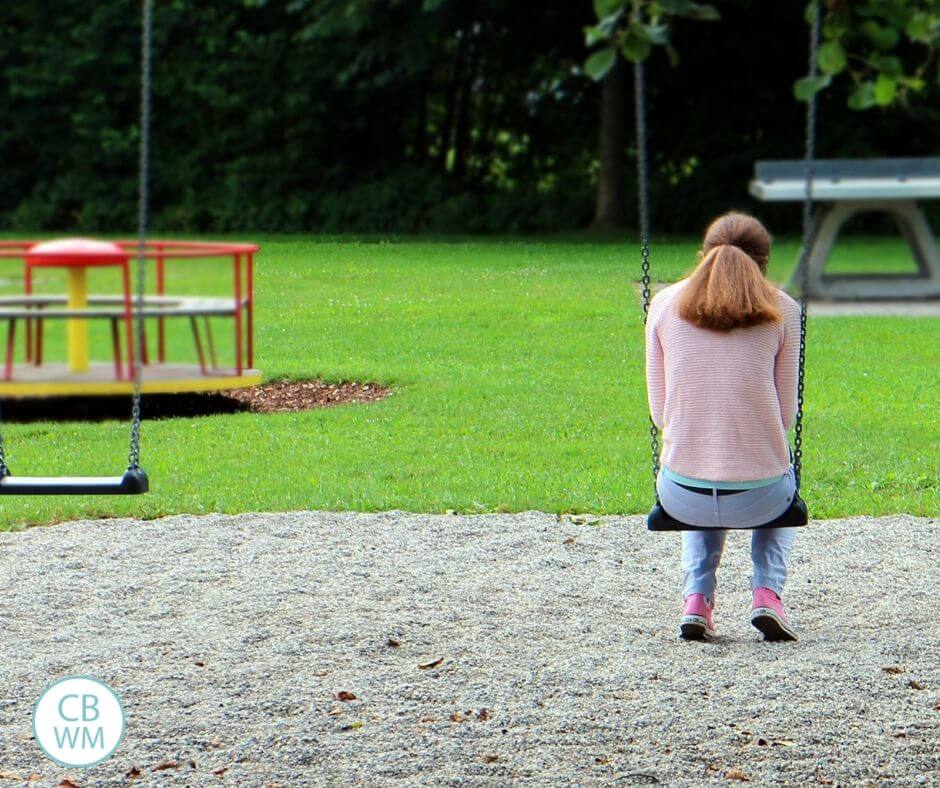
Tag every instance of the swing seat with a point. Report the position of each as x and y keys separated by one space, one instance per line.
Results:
x=796 y=515
x=133 y=482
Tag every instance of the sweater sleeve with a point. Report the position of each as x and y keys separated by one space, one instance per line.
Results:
x=786 y=364
x=655 y=372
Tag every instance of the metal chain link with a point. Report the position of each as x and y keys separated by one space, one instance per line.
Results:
x=643 y=210
x=643 y=207
x=4 y=470
x=809 y=171
x=142 y=211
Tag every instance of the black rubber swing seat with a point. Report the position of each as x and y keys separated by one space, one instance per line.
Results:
x=796 y=515
x=133 y=482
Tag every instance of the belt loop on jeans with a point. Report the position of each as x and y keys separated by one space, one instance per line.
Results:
x=715 y=502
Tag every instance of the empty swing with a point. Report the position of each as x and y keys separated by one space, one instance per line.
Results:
x=796 y=514
x=134 y=480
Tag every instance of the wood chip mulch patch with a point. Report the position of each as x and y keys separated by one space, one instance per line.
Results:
x=286 y=396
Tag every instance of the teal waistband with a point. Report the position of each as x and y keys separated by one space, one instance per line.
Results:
x=749 y=485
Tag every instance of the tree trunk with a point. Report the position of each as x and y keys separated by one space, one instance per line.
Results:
x=447 y=129
x=464 y=120
x=609 y=209
x=421 y=126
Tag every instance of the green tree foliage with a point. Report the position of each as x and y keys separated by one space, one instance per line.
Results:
x=887 y=48
x=395 y=115
x=634 y=27
x=326 y=114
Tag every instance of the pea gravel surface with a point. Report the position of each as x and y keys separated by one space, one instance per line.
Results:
x=316 y=648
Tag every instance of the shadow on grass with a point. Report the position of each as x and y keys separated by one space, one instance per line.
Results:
x=94 y=409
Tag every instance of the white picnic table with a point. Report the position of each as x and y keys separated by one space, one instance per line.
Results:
x=843 y=188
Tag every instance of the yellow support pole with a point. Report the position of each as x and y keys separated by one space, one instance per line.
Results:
x=78 y=329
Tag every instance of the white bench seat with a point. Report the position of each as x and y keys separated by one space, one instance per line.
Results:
x=52 y=307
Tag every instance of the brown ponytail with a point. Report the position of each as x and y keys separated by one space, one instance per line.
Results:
x=727 y=289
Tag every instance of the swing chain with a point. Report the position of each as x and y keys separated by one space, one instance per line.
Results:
x=4 y=470
x=142 y=211
x=808 y=229
x=134 y=455
x=643 y=206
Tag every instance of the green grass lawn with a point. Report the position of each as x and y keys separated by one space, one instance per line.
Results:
x=518 y=373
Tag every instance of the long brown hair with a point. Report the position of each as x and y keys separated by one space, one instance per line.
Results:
x=728 y=288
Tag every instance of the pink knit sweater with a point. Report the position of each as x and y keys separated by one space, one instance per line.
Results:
x=723 y=400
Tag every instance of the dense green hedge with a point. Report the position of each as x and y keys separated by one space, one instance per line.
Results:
x=391 y=116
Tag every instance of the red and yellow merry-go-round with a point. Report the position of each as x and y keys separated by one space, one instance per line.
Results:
x=167 y=367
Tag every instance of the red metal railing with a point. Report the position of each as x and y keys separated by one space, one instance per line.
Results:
x=160 y=252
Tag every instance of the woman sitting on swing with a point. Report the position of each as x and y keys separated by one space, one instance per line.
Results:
x=722 y=354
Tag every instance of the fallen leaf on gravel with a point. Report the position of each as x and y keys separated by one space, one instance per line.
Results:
x=162 y=767
x=344 y=695
x=784 y=743
x=133 y=773
x=220 y=771
x=200 y=664
x=4 y=775
x=321 y=673
x=601 y=760
x=737 y=774
x=432 y=664
x=936 y=706
x=489 y=758
x=483 y=715
x=428 y=718
x=192 y=764
x=335 y=712
x=34 y=778
x=456 y=717
x=65 y=782
x=915 y=685
x=351 y=726
x=392 y=642
x=892 y=669
x=761 y=741
x=569 y=540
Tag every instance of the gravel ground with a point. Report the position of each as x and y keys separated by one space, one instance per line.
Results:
x=480 y=650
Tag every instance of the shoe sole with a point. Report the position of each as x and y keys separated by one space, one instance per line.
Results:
x=773 y=628
x=695 y=628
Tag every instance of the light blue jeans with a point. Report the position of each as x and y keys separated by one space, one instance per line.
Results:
x=701 y=554
x=701 y=550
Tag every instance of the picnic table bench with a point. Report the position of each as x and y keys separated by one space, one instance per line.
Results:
x=844 y=188
x=37 y=309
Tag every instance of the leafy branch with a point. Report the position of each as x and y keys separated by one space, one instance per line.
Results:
x=634 y=27
x=887 y=48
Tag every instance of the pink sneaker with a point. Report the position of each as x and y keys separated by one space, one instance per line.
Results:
x=768 y=616
x=697 y=622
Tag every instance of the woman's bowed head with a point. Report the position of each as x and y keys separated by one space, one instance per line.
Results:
x=728 y=288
